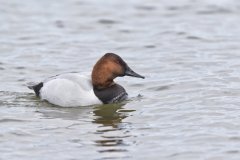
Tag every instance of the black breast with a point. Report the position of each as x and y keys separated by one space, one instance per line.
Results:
x=113 y=94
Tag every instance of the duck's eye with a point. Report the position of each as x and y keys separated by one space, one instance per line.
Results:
x=117 y=61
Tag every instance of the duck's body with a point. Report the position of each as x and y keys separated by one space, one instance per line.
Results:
x=75 y=89
x=71 y=89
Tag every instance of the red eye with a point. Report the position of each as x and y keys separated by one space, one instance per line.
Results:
x=116 y=61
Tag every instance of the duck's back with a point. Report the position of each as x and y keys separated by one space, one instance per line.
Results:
x=69 y=90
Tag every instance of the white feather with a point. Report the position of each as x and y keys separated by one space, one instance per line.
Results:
x=69 y=90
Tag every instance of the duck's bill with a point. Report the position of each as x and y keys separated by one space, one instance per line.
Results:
x=130 y=72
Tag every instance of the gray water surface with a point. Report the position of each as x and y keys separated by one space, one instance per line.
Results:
x=187 y=108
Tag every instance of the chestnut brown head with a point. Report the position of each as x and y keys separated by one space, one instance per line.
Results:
x=109 y=67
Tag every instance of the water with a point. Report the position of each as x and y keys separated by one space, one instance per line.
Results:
x=188 y=107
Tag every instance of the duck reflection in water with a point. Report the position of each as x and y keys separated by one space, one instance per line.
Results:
x=112 y=133
x=111 y=127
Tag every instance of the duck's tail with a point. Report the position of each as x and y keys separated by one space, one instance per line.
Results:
x=35 y=86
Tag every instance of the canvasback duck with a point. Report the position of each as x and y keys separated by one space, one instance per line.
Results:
x=74 y=89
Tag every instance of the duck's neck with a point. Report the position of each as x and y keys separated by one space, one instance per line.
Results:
x=105 y=88
x=100 y=80
x=103 y=85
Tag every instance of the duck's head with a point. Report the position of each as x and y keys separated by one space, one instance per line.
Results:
x=109 y=67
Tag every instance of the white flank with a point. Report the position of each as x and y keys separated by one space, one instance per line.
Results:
x=69 y=90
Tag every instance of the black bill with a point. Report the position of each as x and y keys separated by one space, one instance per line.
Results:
x=130 y=72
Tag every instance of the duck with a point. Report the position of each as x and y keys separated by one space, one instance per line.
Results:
x=75 y=89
